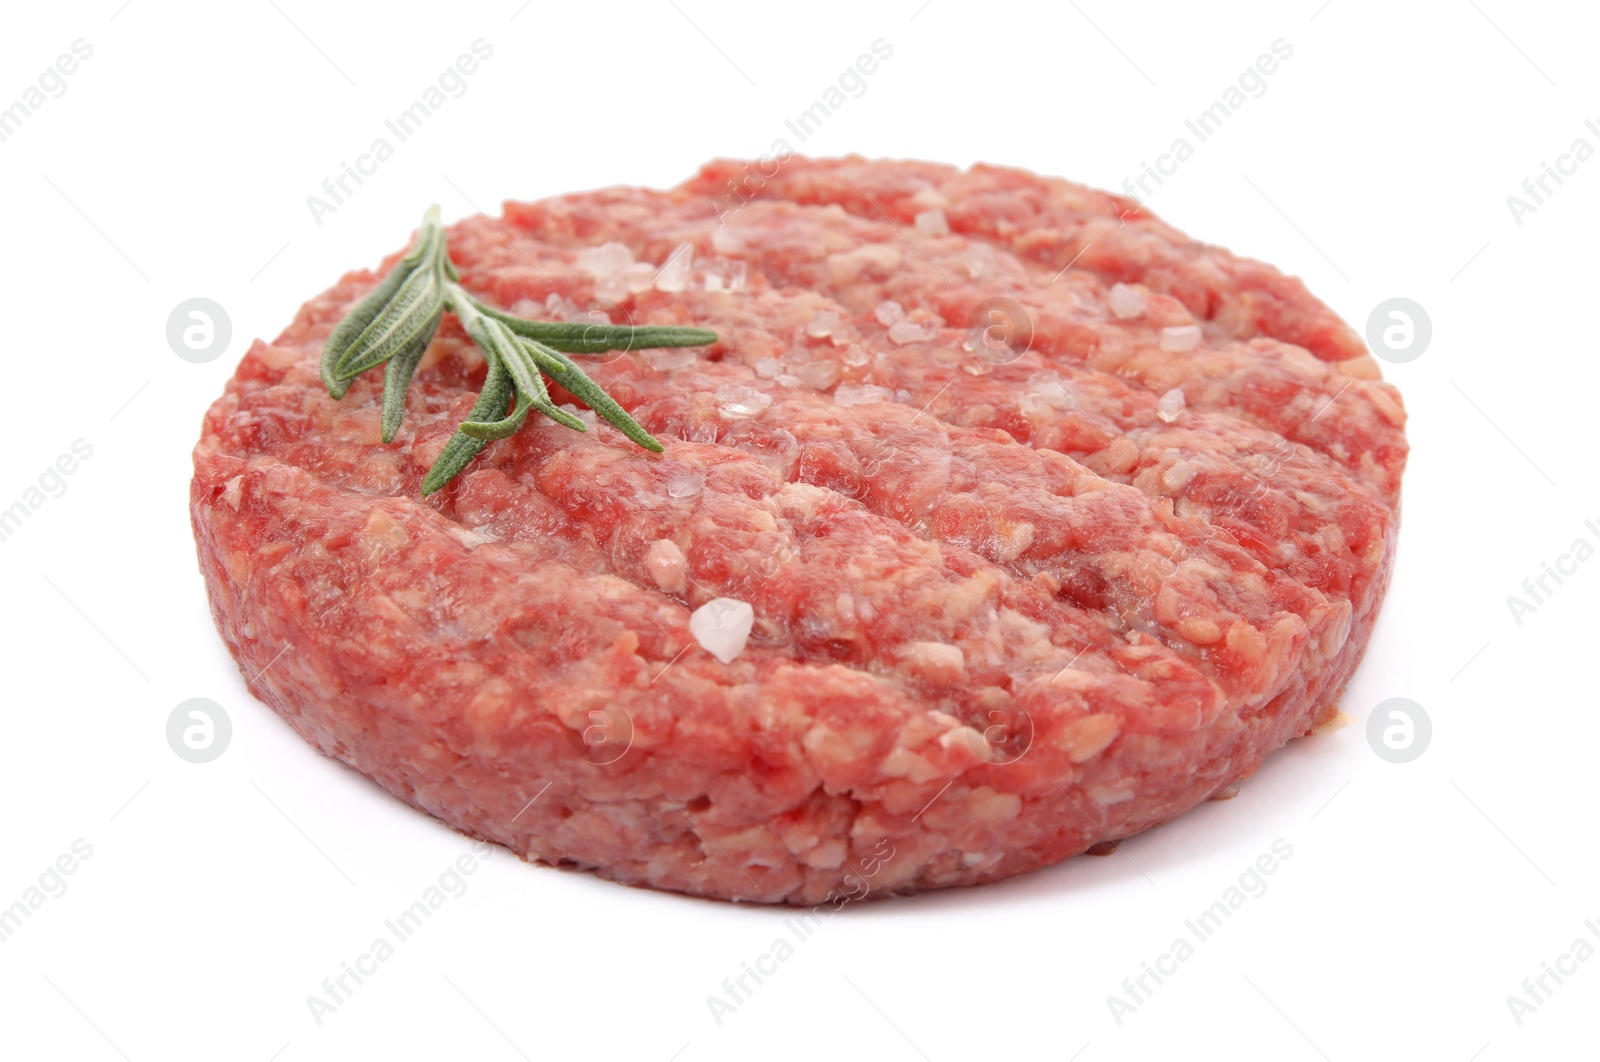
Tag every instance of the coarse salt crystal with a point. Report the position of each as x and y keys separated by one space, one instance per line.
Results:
x=675 y=271
x=889 y=312
x=931 y=222
x=1169 y=407
x=611 y=287
x=669 y=358
x=610 y=257
x=725 y=240
x=822 y=325
x=817 y=374
x=866 y=394
x=768 y=368
x=724 y=275
x=1180 y=337
x=638 y=276
x=855 y=356
x=979 y=261
x=556 y=305
x=686 y=485
x=722 y=627
x=1126 y=301
x=903 y=332
x=737 y=400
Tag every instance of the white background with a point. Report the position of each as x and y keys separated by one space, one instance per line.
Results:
x=219 y=896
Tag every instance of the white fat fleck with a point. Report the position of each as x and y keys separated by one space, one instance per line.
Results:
x=722 y=626
x=1013 y=540
x=1127 y=302
x=230 y=492
x=1180 y=337
x=948 y=660
x=1177 y=476
x=931 y=222
x=1169 y=407
x=1043 y=397
x=667 y=565
x=469 y=537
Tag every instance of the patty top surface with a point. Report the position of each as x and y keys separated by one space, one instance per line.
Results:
x=1178 y=498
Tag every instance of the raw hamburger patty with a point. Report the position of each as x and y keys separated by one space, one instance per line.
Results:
x=1005 y=610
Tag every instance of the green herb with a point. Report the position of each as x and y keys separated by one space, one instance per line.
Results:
x=394 y=324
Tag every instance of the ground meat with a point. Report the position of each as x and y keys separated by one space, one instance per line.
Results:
x=1007 y=607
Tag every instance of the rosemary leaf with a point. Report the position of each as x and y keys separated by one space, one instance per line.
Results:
x=397 y=320
x=494 y=430
x=429 y=241
x=397 y=380
x=499 y=342
x=525 y=374
x=564 y=371
x=346 y=332
x=414 y=311
x=462 y=448
x=541 y=400
x=499 y=348
x=580 y=338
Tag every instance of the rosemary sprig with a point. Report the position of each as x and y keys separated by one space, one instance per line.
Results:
x=394 y=324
